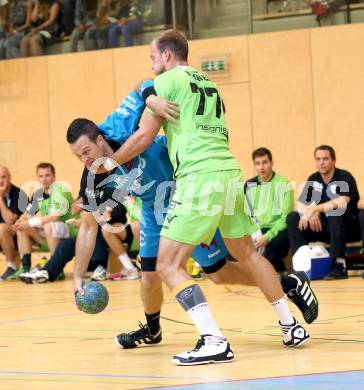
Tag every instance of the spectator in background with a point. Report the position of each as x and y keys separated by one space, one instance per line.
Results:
x=326 y=10
x=130 y=22
x=11 y=201
x=46 y=23
x=48 y=212
x=327 y=211
x=108 y=12
x=270 y=199
x=18 y=25
x=85 y=17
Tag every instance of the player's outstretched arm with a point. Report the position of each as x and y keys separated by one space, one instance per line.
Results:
x=139 y=141
x=85 y=245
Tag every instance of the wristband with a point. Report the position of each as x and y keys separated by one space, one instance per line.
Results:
x=35 y=222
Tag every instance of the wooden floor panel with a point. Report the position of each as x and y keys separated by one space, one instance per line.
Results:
x=45 y=341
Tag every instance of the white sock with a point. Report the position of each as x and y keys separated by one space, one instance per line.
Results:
x=126 y=262
x=202 y=318
x=190 y=296
x=11 y=264
x=282 y=309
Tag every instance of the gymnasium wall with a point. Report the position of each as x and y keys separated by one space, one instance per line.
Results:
x=288 y=91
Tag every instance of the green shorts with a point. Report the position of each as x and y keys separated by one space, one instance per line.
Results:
x=204 y=202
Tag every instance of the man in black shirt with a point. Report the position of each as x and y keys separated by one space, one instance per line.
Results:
x=327 y=211
x=13 y=202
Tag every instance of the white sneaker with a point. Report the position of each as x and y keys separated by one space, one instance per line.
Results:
x=99 y=274
x=294 y=335
x=209 y=349
x=35 y=276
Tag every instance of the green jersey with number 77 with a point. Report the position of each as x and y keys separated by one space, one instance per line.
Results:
x=198 y=143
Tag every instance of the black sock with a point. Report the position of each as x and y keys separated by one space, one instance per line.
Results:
x=153 y=322
x=288 y=283
x=26 y=261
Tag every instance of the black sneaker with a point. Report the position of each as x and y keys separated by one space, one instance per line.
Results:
x=337 y=272
x=294 y=335
x=209 y=349
x=9 y=271
x=140 y=336
x=304 y=297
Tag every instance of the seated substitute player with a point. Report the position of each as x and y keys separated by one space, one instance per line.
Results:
x=79 y=135
x=49 y=210
x=270 y=199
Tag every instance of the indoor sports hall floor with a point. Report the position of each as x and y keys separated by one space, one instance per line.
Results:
x=45 y=343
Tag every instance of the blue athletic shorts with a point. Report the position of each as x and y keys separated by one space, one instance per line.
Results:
x=205 y=255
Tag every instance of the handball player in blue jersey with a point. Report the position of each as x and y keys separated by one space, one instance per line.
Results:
x=148 y=176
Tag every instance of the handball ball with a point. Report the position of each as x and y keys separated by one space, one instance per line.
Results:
x=95 y=298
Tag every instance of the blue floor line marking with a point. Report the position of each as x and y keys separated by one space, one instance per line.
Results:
x=353 y=380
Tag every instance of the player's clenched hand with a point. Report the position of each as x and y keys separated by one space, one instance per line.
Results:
x=164 y=108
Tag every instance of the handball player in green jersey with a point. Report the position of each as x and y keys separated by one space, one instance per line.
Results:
x=209 y=195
